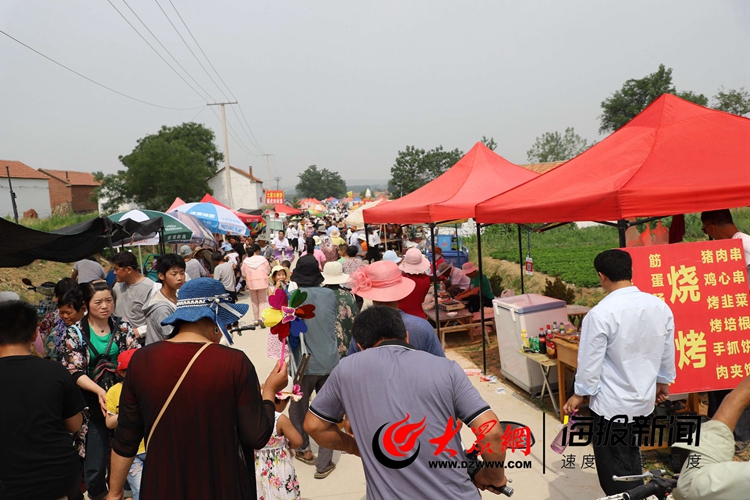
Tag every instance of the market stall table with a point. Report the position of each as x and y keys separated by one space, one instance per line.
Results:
x=461 y=321
x=546 y=365
x=567 y=356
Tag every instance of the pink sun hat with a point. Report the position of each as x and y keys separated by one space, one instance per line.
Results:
x=414 y=262
x=381 y=282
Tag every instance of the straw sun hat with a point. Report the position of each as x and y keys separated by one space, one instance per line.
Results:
x=334 y=274
x=414 y=262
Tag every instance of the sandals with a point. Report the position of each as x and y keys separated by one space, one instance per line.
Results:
x=308 y=461
x=324 y=474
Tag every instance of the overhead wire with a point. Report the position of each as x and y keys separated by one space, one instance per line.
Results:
x=191 y=50
x=154 y=49
x=94 y=81
x=233 y=133
x=165 y=48
x=249 y=130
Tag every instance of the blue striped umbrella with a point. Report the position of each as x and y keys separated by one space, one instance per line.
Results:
x=217 y=219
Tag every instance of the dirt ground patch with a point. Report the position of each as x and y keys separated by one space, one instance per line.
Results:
x=38 y=272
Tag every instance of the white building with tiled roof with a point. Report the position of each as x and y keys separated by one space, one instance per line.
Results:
x=31 y=188
x=247 y=190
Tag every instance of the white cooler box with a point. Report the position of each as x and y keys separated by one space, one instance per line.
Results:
x=524 y=312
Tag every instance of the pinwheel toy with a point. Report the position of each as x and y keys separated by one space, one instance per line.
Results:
x=286 y=317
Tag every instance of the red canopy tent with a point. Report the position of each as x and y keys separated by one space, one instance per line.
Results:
x=480 y=174
x=176 y=203
x=675 y=157
x=245 y=218
x=283 y=209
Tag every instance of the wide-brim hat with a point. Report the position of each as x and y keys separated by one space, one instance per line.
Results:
x=335 y=233
x=206 y=298
x=333 y=274
x=469 y=268
x=392 y=256
x=361 y=237
x=444 y=268
x=185 y=251
x=226 y=246
x=307 y=272
x=414 y=262
x=275 y=269
x=381 y=281
x=341 y=225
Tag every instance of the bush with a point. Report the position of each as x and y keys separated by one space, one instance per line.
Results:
x=559 y=290
x=496 y=284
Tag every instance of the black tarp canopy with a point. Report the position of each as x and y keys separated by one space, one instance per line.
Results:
x=20 y=245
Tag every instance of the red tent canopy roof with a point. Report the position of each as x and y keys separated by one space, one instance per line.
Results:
x=283 y=209
x=478 y=175
x=176 y=203
x=675 y=157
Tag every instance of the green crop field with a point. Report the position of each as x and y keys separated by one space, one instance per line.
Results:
x=568 y=252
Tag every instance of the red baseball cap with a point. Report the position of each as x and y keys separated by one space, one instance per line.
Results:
x=123 y=360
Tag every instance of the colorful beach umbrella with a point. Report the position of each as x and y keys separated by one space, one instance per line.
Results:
x=216 y=218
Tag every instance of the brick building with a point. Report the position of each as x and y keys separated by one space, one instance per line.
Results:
x=75 y=189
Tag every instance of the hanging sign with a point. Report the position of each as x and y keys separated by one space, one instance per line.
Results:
x=529 y=266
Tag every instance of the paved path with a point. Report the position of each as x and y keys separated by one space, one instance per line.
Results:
x=347 y=482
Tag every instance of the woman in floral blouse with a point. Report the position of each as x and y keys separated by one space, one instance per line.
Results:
x=52 y=328
x=95 y=330
x=346 y=305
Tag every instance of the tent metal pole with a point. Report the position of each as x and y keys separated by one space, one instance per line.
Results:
x=622 y=226
x=433 y=236
x=520 y=257
x=481 y=299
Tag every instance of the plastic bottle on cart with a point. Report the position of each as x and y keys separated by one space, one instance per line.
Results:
x=554 y=327
x=551 y=347
x=542 y=341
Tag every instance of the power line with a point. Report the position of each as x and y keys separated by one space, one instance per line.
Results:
x=199 y=112
x=155 y=51
x=233 y=136
x=251 y=135
x=94 y=81
x=166 y=49
x=188 y=46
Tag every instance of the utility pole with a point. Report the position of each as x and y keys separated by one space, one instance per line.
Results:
x=227 y=170
x=277 y=179
x=268 y=166
x=12 y=195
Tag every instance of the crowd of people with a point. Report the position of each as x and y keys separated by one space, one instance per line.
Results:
x=121 y=345
x=140 y=389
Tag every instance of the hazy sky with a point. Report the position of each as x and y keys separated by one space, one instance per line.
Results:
x=347 y=84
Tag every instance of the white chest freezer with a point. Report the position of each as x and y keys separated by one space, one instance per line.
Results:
x=524 y=312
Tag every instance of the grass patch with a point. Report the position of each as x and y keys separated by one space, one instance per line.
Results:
x=56 y=221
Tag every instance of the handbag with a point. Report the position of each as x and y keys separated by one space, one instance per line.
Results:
x=174 y=390
x=104 y=372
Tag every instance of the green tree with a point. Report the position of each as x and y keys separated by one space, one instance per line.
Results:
x=554 y=146
x=320 y=184
x=490 y=143
x=619 y=108
x=176 y=161
x=732 y=101
x=416 y=167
